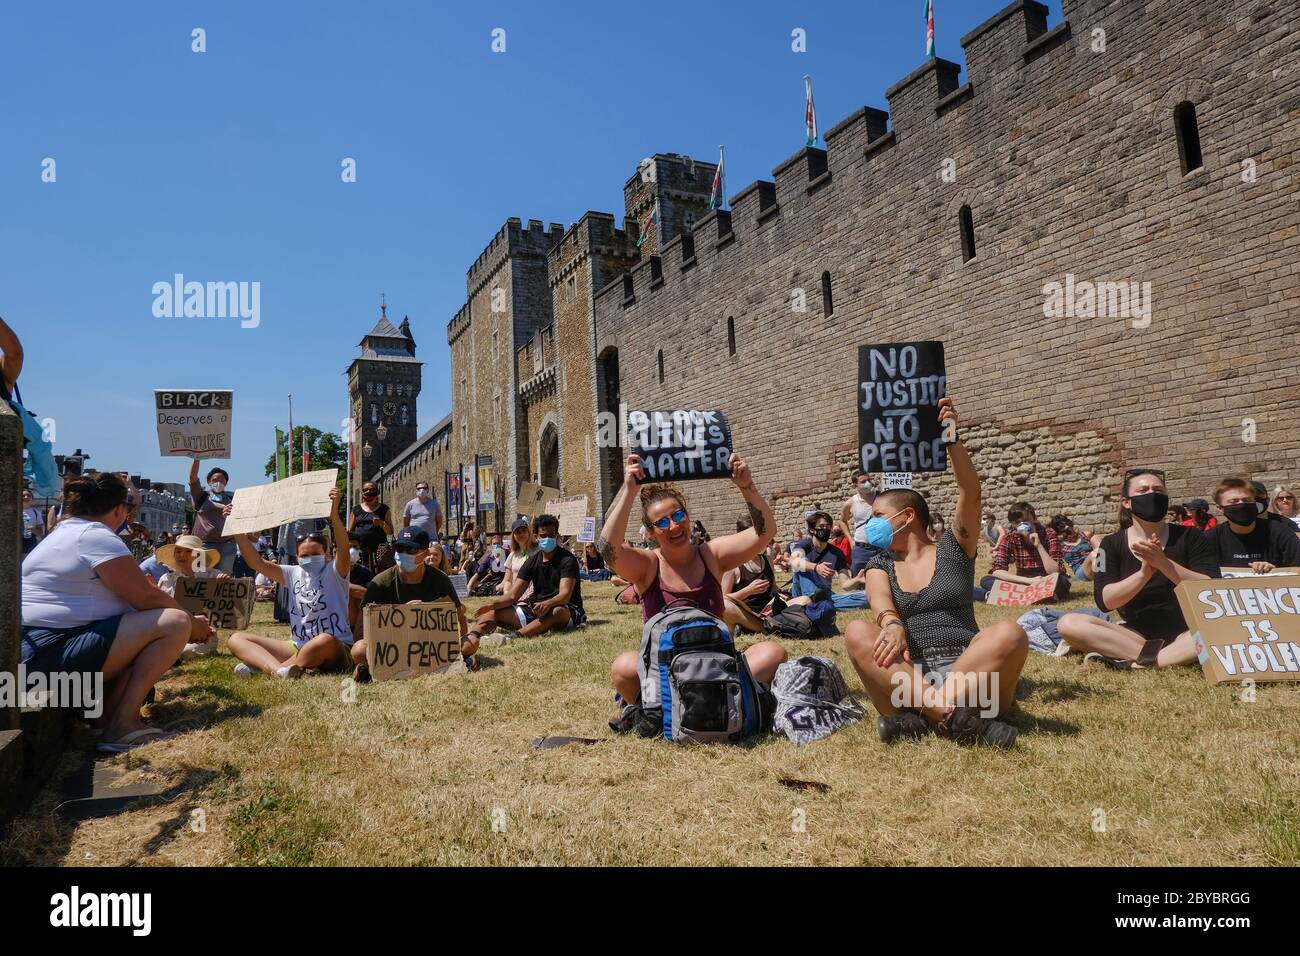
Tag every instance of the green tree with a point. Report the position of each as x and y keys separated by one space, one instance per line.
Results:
x=325 y=450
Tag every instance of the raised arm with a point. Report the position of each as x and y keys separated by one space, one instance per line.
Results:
x=633 y=564
x=256 y=563
x=966 y=519
x=733 y=550
x=342 y=560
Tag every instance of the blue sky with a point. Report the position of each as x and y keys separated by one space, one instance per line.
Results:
x=225 y=166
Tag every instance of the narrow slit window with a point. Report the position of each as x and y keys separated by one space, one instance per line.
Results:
x=731 y=335
x=1189 y=137
x=661 y=366
x=828 y=303
x=967 y=234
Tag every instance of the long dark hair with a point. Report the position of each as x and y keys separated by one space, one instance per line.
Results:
x=90 y=497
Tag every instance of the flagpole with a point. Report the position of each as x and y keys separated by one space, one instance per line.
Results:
x=290 y=464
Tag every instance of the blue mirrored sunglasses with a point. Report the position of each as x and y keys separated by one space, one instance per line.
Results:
x=677 y=517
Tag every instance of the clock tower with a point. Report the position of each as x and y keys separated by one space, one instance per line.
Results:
x=383 y=384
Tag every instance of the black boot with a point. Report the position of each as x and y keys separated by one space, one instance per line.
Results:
x=904 y=725
x=965 y=726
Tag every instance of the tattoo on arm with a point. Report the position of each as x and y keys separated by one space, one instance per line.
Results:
x=962 y=532
x=606 y=551
x=760 y=523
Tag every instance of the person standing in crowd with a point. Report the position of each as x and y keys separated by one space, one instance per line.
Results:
x=853 y=521
x=33 y=524
x=1032 y=548
x=1076 y=547
x=210 y=512
x=423 y=511
x=1136 y=571
x=372 y=521
x=679 y=571
x=413 y=580
x=189 y=558
x=556 y=602
x=87 y=608
x=1198 y=515
x=1283 y=503
x=318 y=607
x=1247 y=539
x=747 y=589
x=924 y=645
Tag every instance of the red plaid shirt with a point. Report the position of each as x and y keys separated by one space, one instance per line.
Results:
x=1017 y=550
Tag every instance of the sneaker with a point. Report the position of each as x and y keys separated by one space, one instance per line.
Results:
x=627 y=720
x=361 y=674
x=1062 y=649
x=243 y=670
x=904 y=725
x=289 y=671
x=472 y=663
x=964 y=725
x=1114 y=663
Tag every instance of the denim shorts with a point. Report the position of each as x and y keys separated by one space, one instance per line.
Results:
x=82 y=649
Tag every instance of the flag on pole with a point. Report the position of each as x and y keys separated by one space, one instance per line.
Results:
x=291 y=434
x=929 y=28
x=810 y=111
x=281 y=458
x=306 y=458
x=718 y=195
x=652 y=218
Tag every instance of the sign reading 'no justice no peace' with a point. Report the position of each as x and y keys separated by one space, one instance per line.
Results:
x=899 y=387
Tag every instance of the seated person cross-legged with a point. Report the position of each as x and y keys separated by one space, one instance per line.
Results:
x=412 y=580
x=1034 y=550
x=925 y=662
x=556 y=602
x=679 y=570
x=748 y=589
x=318 y=608
x=1136 y=571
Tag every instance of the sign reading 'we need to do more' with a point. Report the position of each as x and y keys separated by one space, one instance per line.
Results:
x=899 y=387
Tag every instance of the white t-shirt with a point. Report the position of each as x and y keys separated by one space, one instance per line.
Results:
x=60 y=585
x=861 y=511
x=317 y=605
x=32 y=522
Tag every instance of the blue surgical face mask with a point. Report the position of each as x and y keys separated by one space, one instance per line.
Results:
x=313 y=564
x=546 y=544
x=880 y=531
x=405 y=562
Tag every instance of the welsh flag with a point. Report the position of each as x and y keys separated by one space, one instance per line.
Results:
x=653 y=218
x=717 y=195
x=810 y=111
x=929 y=27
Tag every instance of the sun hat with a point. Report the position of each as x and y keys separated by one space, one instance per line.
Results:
x=188 y=542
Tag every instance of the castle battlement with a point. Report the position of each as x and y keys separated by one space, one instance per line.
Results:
x=512 y=239
x=596 y=233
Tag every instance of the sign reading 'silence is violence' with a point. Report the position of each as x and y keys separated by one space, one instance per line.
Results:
x=1245 y=628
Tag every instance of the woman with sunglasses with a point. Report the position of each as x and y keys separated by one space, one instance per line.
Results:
x=679 y=570
x=321 y=638
x=1135 y=572
x=373 y=523
x=1283 y=503
x=925 y=662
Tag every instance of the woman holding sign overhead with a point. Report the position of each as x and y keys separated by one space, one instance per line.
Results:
x=210 y=512
x=680 y=570
x=318 y=607
x=925 y=662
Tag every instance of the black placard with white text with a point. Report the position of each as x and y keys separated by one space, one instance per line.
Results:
x=899 y=387
x=681 y=444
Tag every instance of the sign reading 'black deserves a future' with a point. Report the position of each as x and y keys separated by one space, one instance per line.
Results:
x=681 y=445
x=899 y=387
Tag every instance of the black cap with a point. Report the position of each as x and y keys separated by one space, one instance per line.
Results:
x=521 y=524
x=413 y=537
x=1197 y=504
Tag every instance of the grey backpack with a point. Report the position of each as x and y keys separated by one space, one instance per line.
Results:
x=695 y=686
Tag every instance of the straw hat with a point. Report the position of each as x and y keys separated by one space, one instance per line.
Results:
x=189 y=542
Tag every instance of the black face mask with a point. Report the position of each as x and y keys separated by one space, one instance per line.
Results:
x=1242 y=514
x=1150 y=507
x=822 y=534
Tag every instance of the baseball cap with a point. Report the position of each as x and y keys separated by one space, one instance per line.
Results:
x=521 y=524
x=412 y=537
x=1197 y=504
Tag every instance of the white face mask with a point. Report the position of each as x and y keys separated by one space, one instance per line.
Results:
x=354 y=554
x=217 y=487
x=422 y=492
x=313 y=564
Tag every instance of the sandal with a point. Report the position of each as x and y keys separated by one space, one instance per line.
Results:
x=133 y=740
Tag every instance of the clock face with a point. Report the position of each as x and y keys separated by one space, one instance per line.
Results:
x=390 y=408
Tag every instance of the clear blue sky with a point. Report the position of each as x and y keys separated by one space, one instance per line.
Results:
x=225 y=166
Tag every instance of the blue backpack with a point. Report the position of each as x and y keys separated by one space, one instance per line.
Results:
x=695 y=686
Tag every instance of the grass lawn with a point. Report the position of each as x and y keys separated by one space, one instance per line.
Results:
x=439 y=770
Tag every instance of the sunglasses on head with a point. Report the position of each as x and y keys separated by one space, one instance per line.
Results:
x=312 y=536
x=677 y=517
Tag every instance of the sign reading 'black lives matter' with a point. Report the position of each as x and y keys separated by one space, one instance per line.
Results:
x=680 y=445
x=899 y=387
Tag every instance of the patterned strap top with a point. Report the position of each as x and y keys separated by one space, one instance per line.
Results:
x=707 y=595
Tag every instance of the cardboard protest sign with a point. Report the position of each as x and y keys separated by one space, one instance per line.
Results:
x=407 y=640
x=533 y=498
x=193 y=423
x=897 y=479
x=588 y=532
x=570 y=511
x=1008 y=594
x=680 y=445
x=899 y=387
x=460 y=582
x=269 y=506
x=226 y=602
x=1245 y=627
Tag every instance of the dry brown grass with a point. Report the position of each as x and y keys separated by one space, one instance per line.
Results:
x=414 y=772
